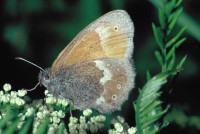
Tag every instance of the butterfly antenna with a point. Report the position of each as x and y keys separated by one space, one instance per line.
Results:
x=33 y=87
x=19 y=58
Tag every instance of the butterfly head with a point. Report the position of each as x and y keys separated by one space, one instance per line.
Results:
x=44 y=78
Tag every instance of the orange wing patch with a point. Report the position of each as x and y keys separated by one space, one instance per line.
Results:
x=96 y=46
x=107 y=37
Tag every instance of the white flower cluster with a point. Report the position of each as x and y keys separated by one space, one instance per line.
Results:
x=45 y=113
x=120 y=130
x=54 y=101
x=85 y=124
x=22 y=117
x=15 y=98
x=12 y=98
x=121 y=127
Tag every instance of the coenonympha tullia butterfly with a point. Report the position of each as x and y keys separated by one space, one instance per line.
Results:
x=95 y=69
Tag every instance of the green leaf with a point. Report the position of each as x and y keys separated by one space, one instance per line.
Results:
x=148 y=109
x=158 y=36
x=178 y=3
x=164 y=124
x=159 y=57
x=153 y=118
x=11 y=128
x=137 y=118
x=150 y=99
x=9 y=117
x=42 y=129
x=162 y=18
x=180 y=42
x=180 y=65
x=193 y=27
x=148 y=106
x=170 y=6
x=172 y=62
x=148 y=75
x=170 y=53
x=174 y=20
x=61 y=128
x=27 y=125
x=173 y=40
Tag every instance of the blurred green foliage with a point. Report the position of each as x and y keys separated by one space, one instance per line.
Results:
x=17 y=36
x=178 y=116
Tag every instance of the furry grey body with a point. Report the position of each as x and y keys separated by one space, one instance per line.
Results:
x=80 y=88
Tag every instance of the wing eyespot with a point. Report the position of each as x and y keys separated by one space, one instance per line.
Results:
x=116 y=28
x=114 y=97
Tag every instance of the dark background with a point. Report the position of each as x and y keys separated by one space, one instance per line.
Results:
x=38 y=30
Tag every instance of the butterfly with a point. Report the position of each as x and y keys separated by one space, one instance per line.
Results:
x=95 y=70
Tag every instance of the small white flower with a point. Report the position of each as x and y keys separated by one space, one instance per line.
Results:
x=13 y=93
x=46 y=112
x=73 y=128
x=29 y=111
x=42 y=107
x=61 y=114
x=1 y=93
x=132 y=130
x=93 y=129
x=70 y=124
x=65 y=103
x=56 y=120
x=111 y=131
x=51 y=130
x=120 y=119
x=20 y=102
x=46 y=92
x=73 y=131
x=7 y=87
x=51 y=119
x=59 y=102
x=118 y=127
x=40 y=115
x=83 y=126
x=12 y=101
x=35 y=126
x=21 y=93
x=3 y=115
x=5 y=98
x=22 y=118
x=19 y=124
x=73 y=119
x=50 y=100
x=87 y=112
x=100 y=118
x=54 y=114
x=93 y=119
x=82 y=119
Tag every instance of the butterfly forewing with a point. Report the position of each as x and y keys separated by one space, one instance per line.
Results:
x=109 y=36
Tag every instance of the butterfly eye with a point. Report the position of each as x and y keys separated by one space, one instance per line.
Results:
x=46 y=77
